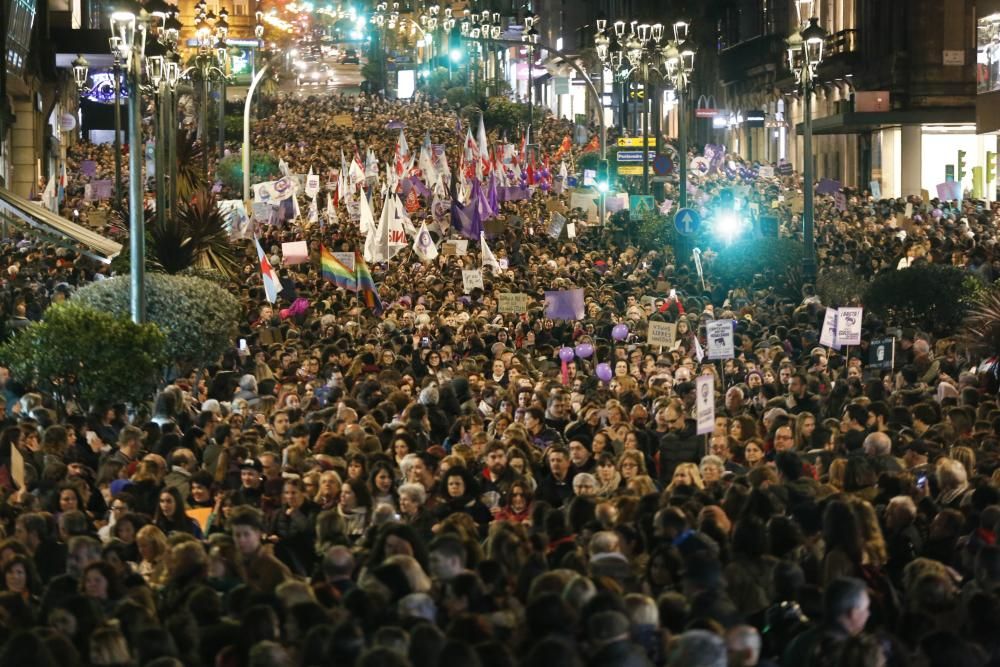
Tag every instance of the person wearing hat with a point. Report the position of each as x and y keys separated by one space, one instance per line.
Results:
x=251 y=491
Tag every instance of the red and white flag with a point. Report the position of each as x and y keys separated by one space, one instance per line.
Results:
x=269 y=275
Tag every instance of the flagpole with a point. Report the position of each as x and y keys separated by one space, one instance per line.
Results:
x=357 y=286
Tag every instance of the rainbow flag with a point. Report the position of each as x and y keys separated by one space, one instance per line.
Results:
x=366 y=284
x=335 y=271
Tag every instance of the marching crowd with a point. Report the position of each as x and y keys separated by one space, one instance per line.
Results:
x=436 y=484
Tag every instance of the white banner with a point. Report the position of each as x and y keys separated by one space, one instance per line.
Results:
x=705 y=403
x=719 y=334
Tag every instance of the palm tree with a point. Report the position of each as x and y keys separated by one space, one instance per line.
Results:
x=196 y=237
x=189 y=175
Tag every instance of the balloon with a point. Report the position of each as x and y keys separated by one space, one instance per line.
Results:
x=619 y=332
x=544 y=186
x=604 y=372
x=936 y=213
x=584 y=350
x=566 y=354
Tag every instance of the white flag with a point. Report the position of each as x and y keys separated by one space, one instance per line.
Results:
x=367 y=219
x=489 y=259
x=312 y=184
x=313 y=211
x=423 y=245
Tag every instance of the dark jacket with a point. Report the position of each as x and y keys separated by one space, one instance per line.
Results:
x=684 y=446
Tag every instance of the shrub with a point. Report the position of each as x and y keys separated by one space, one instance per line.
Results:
x=86 y=354
x=198 y=317
x=931 y=297
x=652 y=232
x=840 y=286
x=263 y=167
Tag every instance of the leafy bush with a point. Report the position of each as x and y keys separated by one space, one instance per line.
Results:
x=91 y=355
x=198 y=317
x=840 y=286
x=263 y=167
x=738 y=263
x=652 y=232
x=931 y=297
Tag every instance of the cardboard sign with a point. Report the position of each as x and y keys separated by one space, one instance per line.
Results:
x=828 y=335
x=344 y=120
x=882 y=354
x=766 y=171
x=471 y=279
x=17 y=467
x=849 y=326
x=705 y=403
x=719 y=334
x=455 y=247
x=294 y=252
x=571 y=230
x=661 y=333
x=345 y=258
x=512 y=302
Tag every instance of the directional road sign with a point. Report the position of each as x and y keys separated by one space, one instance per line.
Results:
x=687 y=221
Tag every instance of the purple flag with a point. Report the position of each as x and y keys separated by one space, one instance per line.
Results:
x=491 y=195
x=466 y=220
x=421 y=188
x=88 y=168
x=827 y=186
x=564 y=304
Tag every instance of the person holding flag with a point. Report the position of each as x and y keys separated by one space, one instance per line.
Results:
x=269 y=275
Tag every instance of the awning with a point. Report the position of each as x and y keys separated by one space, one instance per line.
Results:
x=57 y=229
x=854 y=122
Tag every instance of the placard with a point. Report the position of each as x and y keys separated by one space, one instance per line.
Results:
x=849 y=326
x=455 y=247
x=661 y=333
x=17 y=467
x=345 y=258
x=719 y=334
x=705 y=404
x=882 y=354
x=344 y=120
x=294 y=252
x=471 y=279
x=571 y=230
x=512 y=302
x=554 y=230
x=766 y=171
x=876 y=189
x=828 y=335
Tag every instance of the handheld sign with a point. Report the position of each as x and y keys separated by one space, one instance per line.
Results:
x=687 y=221
x=472 y=279
x=828 y=335
x=705 y=404
x=720 y=339
x=512 y=302
x=661 y=333
x=849 y=326
x=882 y=354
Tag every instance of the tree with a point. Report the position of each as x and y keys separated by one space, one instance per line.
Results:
x=263 y=167
x=198 y=317
x=90 y=355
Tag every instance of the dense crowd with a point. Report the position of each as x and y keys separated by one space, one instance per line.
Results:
x=434 y=486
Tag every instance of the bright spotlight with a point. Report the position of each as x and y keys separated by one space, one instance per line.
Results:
x=602 y=186
x=728 y=226
x=455 y=55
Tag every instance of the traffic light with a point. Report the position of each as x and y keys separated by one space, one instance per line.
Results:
x=961 y=166
x=602 y=176
x=991 y=166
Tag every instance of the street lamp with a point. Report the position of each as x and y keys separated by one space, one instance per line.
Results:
x=81 y=72
x=531 y=37
x=679 y=58
x=212 y=63
x=805 y=53
x=129 y=26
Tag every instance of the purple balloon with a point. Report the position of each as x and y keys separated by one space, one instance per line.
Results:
x=603 y=372
x=936 y=213
x=566 y=354
x=619 y=332
x=584 y=350
x=544 y=186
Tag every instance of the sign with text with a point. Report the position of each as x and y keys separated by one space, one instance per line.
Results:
x=719 y=335
x=828 y=335
x=512 y=302
x=661 y=333
x=882 y=354
x=636 y=142
x=471 y=279
x=849 y=326
x=705 y=403
x=455 y=247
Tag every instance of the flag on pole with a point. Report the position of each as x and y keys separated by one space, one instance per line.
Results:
x=366 y=284
x=269 y=275
x=335 y=271
x=489 y=259
x=424 y=246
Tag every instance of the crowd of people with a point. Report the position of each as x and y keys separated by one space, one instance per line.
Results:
x=433 y=485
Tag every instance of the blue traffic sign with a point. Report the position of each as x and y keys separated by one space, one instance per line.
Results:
x=662 y=165
x=633 y=156
x=687 y=221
